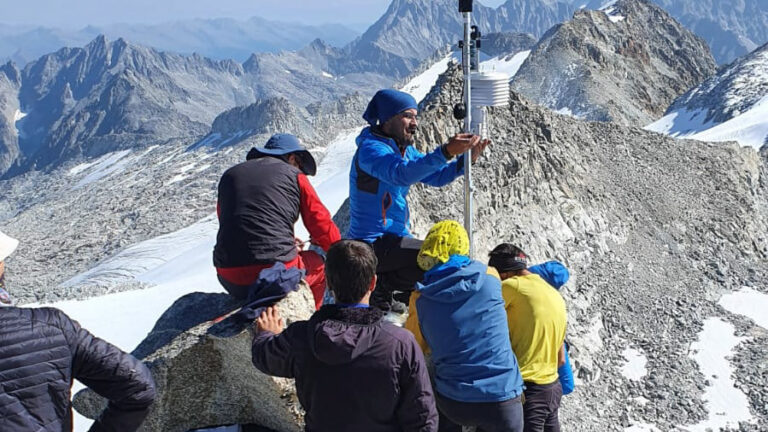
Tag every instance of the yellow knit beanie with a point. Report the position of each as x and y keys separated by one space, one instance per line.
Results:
x=446 y=238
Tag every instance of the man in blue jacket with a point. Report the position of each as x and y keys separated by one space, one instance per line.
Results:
x=385 y=166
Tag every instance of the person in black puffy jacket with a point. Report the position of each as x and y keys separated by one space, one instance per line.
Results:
x=42 y=350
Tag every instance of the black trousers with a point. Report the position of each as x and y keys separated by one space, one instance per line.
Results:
x=541 y=405
x=397 y=270
x=504 y=416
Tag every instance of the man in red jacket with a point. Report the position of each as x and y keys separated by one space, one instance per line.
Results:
x=259 y=202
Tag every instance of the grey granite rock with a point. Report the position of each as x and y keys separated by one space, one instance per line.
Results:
x=201 y=362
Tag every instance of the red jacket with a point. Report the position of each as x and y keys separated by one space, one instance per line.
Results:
x=259 y=202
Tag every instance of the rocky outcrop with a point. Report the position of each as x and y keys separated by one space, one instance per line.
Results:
x=200 y=359
x=315 y=124
x=653 y=229
x=496 y=44
x=10 y=81
x=625 y=64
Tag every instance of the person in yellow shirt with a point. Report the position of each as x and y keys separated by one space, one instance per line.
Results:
x=537 y=320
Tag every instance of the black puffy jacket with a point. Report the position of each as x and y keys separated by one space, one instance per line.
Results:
x=42 y=351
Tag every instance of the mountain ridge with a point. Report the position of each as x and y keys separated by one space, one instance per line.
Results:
x=625 y=64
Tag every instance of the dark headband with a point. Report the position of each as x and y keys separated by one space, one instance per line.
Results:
x=508 y=263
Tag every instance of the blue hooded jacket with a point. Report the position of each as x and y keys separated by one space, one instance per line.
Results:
x=462 y=317
x=556 y=274
x=380 y=178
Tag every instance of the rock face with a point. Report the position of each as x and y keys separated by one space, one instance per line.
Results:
x=10 y=81
x=496 y=44
x=265 y=117
x=731 y=29
x=624 y=64
x=653 y=229
x=203 y=371
x=411 y=30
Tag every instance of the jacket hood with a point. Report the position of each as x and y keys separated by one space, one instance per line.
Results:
x=553 y=272
x=341 y=334
x=455 y=286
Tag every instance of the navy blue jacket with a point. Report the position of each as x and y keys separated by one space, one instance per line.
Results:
x=354 y=372
x=380 y=178
x=42 y=351
x=462 y=317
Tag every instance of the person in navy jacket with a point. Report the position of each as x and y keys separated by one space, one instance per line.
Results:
x=42 y=351
x=354 y=371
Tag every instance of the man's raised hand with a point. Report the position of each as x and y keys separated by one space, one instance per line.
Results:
x=479 y=148
x=270 y=320
x=460 y=143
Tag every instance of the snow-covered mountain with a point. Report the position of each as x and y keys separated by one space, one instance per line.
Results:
x=624 y=64
x=111 y=96
x=730 y=106
x=731 y=28
x=219 y=38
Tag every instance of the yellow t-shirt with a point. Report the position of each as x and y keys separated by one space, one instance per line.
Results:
x=537 y=320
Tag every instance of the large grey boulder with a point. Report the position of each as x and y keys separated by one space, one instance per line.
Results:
x=200 y=357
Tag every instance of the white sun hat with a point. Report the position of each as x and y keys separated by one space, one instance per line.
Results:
x=7 y=246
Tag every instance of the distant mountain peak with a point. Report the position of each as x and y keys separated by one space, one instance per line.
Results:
x=625 y=63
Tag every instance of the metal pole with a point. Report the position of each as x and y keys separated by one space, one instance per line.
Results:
x=465 y=60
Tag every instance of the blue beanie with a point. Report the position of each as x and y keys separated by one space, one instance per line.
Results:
x=387 y=104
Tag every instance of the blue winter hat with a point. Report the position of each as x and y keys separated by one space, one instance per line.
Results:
x=386 y=104
x=284 y=144
x=553 y=272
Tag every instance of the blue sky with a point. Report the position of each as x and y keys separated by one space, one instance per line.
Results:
x=78 y=13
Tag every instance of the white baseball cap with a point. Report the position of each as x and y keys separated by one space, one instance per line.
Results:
x=7 y=246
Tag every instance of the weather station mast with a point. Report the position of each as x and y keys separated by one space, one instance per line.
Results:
x=481 y=90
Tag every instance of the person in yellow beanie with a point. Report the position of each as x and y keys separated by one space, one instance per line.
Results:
x=462 y=319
